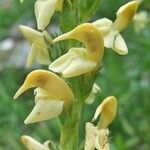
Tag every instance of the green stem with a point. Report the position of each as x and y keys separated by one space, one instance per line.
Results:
x=70 y=127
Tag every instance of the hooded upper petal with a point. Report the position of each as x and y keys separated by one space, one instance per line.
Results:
x=90 y=36
x=107 y=111
x=124 y=15
x=44 y=10
x=48 y=81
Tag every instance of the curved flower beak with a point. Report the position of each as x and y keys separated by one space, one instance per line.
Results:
x=48 y=81
x=107 y=110
x=90 y=36
x=124 y=15
x=44 y=10
x=32 y=144
x=38 y=51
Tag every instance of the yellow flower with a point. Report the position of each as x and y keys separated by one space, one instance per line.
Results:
x=32 y=144
x=38 y=51
x=97 y=136
x=80 y=60
x=107 y=110
x=52 y=95
x=44 y=10
x=110 y=30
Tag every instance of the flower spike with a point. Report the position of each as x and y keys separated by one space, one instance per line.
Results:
x=70 y=63
x=38 y=51
x=107 y=110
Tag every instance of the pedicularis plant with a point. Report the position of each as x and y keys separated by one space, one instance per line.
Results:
x=69 y=82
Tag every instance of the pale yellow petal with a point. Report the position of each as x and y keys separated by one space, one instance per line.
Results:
x=32 y=144
x=101 y=141
x=48 y=81
x=70 y=64
x=102 y=23
x=124 y=15
x=31 y=35
x=44 y=110
x=90 y=36
x=120 y=45
x=38 y=51
x=44 y=10
x=34 y=50
x=78 y=66
x=41 y=94
x=61 y=63
x=43 y=56
x=107 y=111
x=91 y=133
x=110 y=38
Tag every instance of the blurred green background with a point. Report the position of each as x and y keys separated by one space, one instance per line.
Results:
x=126 y=77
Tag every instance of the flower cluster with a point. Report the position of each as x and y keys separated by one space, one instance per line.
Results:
x=58 y=94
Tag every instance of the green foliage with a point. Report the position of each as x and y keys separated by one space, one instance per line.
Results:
x=11 y=12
